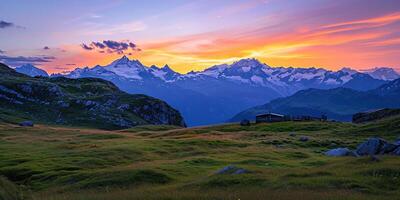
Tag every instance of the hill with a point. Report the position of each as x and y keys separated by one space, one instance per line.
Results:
x=88 y=102
x=167 y=162
x=339 y=103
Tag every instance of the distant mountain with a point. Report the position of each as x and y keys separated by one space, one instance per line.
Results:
x=88 y=102
x=338 y=103
x=31 y=70
x=383 y=73
x=390 y=91
x=217 y=93
x=363 y=82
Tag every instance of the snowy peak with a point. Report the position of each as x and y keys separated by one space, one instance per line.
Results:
x=383 y=73
x=126 y=68
x=348 y=70
x=31 y=70
x=249 y=64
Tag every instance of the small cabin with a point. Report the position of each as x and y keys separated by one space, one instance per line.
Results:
x=270 y=117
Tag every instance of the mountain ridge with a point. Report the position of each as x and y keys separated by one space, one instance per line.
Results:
x=220 y=91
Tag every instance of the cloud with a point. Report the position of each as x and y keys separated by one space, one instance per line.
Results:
x=4 y=24
x=111 y=46
x=84 y=46
x=20 y=60
x=70 y=64
x=99 y=45
x=46 y=48
x=2 y=52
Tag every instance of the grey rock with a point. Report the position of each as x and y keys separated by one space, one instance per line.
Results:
x=338 y=152
x=370 y=147
x=304 y=138
x=396 y=151
x=388 y=148
x=292 y=134
x=226 y=169
x=26 y=123
x=241 y=171
x=231 y=169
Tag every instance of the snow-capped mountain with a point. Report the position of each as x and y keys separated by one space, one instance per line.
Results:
x=383 y=73
x=31 y=70
x=217 y=93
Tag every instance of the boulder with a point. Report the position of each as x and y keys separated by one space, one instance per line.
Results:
x=292 y=134
x=241 y=171
x=388 y=148
x=26 y=123
x=226 y=170
x=231 y=169
x=245 y=122
x=338 y=152
x=304 y=138
x=396 y=151
x=371 y=147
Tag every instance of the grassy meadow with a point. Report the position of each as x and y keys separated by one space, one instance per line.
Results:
x=167 y=162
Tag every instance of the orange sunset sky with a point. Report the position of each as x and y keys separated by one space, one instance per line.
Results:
x=193 y=35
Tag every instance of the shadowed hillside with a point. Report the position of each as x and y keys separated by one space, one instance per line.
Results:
x=86 y=102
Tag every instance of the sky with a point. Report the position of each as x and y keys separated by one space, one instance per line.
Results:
x=196 y=34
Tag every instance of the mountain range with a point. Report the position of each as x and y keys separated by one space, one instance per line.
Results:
x=88 y=102
x=221 y=91
x=338 y=103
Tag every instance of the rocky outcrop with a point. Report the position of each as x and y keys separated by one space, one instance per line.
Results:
x=371 y=147
x=374 y=115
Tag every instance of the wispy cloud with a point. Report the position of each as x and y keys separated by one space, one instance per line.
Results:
x=4 y=24
x=107 y=29
x=382 y=20
x=20 y=60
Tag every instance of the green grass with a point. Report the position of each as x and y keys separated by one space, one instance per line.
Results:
x=166 y=162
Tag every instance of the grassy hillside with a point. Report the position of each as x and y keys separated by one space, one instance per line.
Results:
x=167 y=162
x=85 y=102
